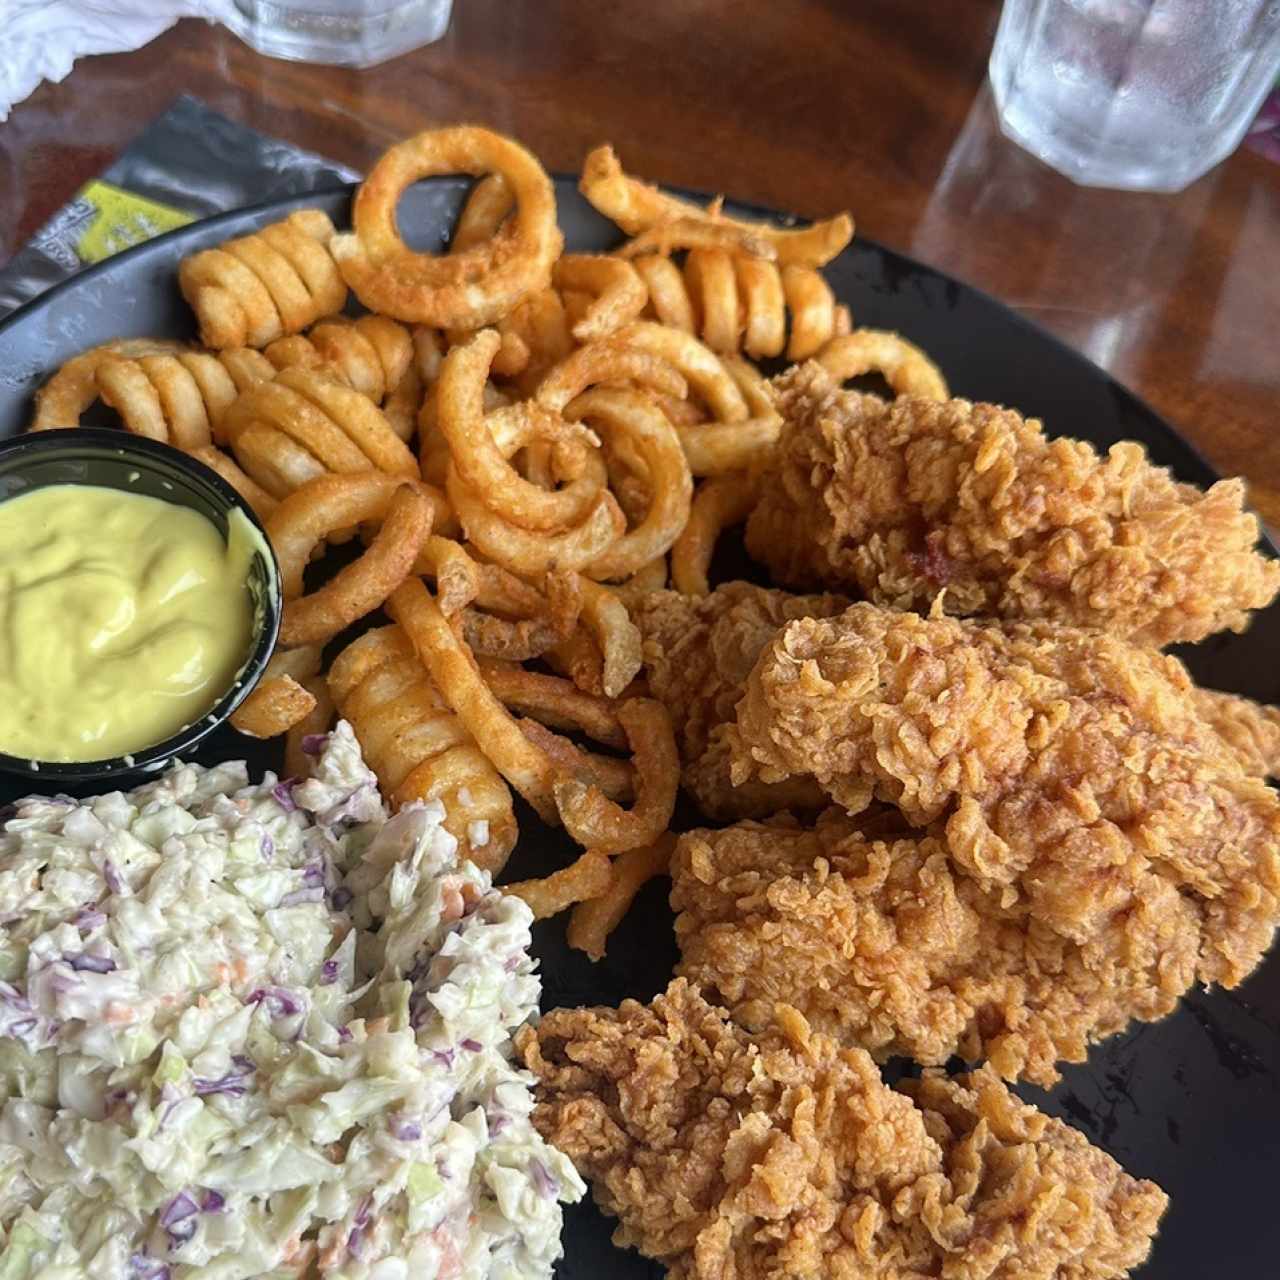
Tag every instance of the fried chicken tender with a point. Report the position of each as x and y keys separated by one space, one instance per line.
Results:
x=698 y=652
x=778 y=1156
x=908 y=497
x=1250 y=731
x=1073 y=795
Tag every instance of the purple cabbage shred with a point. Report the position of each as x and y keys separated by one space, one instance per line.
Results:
x=83 y=962
x=314 y=743
x=180 y=1207
x=547 y=1186
x=283 y=792
x=472 y=1046
x=405 y=1130
x=328 y=973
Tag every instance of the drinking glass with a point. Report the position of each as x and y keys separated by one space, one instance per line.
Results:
x=1144 y=95
x=344 y=33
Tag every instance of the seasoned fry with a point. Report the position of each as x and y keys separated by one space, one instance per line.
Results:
x=300 y=738
x=615 y=778
x=636 y=206
x=254 y=494
x=482 y=465
x=454 y=672
x=277 y=281
x=619 y=360
x=579 y=658
x=697 y=233
x=588 y=877
x=467 y=289
x=336 y=502
x=522 y=550
x=902 y=364
x=275 y=705
x=719 y=503
x=706 y=375
x=62 y=400
x=812 y=306
x=616 y=294
x=418 y=748
x=370 y=354
x=669 y=299
x=597 y=822
x=517 y=640
x=616 y=636
x=594 y=919
x=554 y=701
x=486 y=209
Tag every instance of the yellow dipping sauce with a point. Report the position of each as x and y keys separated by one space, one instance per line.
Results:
x=125 y=619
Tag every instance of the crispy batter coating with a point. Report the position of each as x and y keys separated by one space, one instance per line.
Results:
x=1076 y=794
x=778 y=1156
x=698 y=652
x=908 y=497
x=1250 y=731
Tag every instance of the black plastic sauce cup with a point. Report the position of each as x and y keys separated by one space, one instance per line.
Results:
x=114 y=459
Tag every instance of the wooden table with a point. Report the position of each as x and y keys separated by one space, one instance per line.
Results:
x=810 y=105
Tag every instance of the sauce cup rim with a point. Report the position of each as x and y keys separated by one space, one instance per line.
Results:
x=108 y=440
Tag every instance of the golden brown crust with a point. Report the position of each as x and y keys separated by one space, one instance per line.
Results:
x=1085 y=806
x=907 y=498
x=772 y=1156
x=698 y=652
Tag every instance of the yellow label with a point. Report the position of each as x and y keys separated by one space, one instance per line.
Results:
x=122 y=219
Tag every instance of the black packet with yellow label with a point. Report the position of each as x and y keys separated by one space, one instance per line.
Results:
x=189 y=164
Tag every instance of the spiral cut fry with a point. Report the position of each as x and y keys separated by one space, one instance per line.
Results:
x=464 y=289
x=634 y=420
x=252 y=290
x=419 y=750
x=62 y=401
x=180 y=398
x=454 y=672
x=487 y=205
x=597 y=822
x=480 y=460
x=371 y=354
x=901 y=363
x=594 y=919
x=301 y=739
x=588 y=877
x=254 y=494
x=404 y=511
x=275 y=705
x=736 y=302
x=719 y=503
x=637 y=206
x=616 y=294
x=304 y=424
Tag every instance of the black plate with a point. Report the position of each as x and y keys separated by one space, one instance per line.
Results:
x=1192 y=1102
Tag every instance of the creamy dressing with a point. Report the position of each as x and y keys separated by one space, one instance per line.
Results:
x=124 y=618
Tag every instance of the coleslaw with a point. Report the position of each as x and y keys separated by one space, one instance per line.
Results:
x=263 y=1031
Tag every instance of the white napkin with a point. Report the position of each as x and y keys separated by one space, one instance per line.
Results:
x=41 y=39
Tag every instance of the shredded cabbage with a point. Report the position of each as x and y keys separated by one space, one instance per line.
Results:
x=257 y=1030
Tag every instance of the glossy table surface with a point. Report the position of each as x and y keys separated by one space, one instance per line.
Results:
x=806 y=105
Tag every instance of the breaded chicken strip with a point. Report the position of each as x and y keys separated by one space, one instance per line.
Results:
x=1249 y=730
x=1069 y=773
x=698 y=652
x=888 y=943
x=731 y=1156
x=907 y=497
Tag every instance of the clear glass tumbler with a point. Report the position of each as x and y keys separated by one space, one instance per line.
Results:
x=343 y=33
x=1144 y=95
